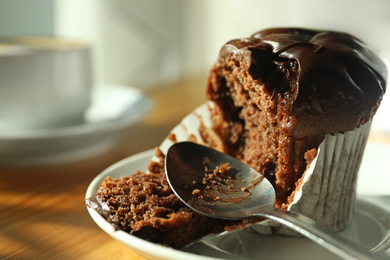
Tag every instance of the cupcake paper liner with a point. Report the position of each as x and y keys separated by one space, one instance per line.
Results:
x=328 y=191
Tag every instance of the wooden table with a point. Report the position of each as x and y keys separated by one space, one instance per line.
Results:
x=42 y=210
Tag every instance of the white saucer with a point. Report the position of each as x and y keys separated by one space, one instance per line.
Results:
x=370 y=227
x=113 y=108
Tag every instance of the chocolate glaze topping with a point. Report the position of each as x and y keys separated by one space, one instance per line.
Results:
x=319 y=74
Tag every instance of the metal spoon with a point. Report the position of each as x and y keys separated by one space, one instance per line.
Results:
x=240 y=192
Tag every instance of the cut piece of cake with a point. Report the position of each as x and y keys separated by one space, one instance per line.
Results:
x=144 y=205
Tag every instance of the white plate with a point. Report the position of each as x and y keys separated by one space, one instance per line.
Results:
x=113 y=109
x=370 y=227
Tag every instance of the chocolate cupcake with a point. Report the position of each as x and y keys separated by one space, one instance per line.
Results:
x=296 y=105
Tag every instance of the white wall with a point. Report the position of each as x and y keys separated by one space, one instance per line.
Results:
x=135 y=42
x=21 y=17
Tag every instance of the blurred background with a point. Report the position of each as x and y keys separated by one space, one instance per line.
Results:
x=149 y=43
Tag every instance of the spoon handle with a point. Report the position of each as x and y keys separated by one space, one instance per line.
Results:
x=310 y=229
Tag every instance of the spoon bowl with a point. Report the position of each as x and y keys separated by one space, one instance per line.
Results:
x=190 y=167
x=217 y=185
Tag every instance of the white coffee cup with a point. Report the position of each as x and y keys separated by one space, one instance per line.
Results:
x=44 y=82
